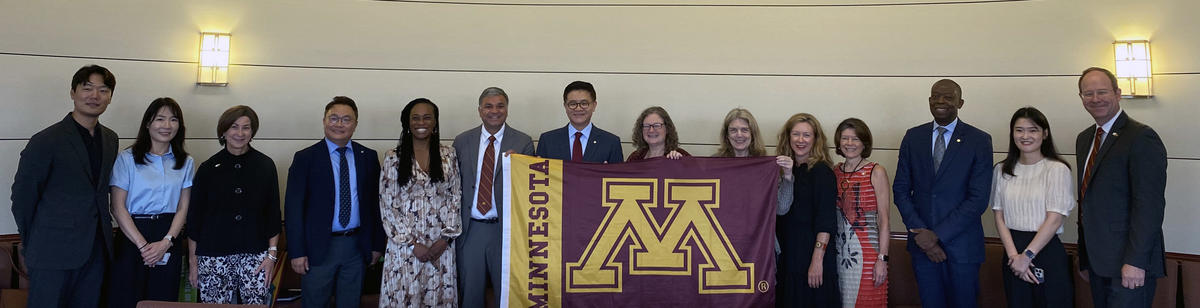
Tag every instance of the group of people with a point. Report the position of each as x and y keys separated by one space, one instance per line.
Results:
x=431 y=213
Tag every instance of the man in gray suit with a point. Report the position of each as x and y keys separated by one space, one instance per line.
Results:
x=479 y=150
x=60 y=198
x=1122 y=183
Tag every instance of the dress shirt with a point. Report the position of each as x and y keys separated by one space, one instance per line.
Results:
x=483 y=143
x=946 y=138
x=336 y=161
x=587 y=132
x=235 y=204
x=153 y=188
x=92 y=142
x=1107 y=132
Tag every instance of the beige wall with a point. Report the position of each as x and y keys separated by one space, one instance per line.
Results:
x=872 y=62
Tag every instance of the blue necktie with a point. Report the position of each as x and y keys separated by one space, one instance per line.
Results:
x=343 y=188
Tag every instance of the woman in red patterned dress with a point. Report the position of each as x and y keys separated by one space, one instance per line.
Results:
x=862 y=222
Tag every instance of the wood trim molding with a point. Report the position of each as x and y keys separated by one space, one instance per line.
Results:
x=1072 y=248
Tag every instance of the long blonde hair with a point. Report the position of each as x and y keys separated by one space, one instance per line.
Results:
x=819 y=152
x=756 y=147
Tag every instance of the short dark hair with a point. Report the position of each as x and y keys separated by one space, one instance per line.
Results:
x=342 y=100
x=231 y=115
x=860 y=129
x=85 y=73
x=579 y=85
x=1111 y=78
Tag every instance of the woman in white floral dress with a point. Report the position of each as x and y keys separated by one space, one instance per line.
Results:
x=419 y=203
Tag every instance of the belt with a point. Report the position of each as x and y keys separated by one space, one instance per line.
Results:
x=486 y=221
x=153 y=216
x=345 y=232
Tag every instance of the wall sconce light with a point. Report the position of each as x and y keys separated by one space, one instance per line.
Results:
x=1133 y=68
x=214 y=59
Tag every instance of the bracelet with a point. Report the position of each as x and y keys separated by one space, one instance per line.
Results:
x=144 y=245
x=273 y=248
x=272 y=257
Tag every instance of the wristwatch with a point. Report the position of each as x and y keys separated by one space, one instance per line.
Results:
x=1030 y=254
x=168 y=237
x=884 y=258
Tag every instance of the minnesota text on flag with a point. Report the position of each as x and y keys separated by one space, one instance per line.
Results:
x=689 y=232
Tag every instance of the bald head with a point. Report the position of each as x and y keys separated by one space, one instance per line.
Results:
x=945 y=98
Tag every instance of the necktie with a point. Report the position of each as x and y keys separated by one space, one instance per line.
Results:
x=343 y=188
x=1087 y=171
x=577 y=149
x=486 y=173
x=939 y=148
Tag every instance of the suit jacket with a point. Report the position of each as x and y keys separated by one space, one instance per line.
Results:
x=952 y=200
x=603 y=147
x=57 y=206
x=466 y=145
x=310 y=200
x=1121 y=213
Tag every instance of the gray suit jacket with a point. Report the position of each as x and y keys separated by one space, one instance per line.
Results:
x=1121 y=213
x=57 y=207
x=466 y=145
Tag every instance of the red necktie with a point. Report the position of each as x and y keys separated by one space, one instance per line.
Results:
x=486 y=173
x=577 y=149
x=1092 y=157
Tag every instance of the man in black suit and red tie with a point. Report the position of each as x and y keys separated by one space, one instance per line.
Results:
x=1122 y=182
x=580 y=140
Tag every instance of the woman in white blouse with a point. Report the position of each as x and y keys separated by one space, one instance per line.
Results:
x=1032 y=194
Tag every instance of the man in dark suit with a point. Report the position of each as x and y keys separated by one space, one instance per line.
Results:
x=1122 y=183
x=479 y=150
x=943 y=181
x=580 y=141
x=332 y=209
x=60 y=198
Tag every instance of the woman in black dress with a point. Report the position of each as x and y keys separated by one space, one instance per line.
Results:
x=807 y=273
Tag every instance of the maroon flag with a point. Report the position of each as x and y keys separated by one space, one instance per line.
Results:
x=691 y=232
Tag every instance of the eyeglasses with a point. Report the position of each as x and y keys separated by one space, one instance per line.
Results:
x=655 y=126
x=1091 y=94
x=578 y=104
x=337 y=119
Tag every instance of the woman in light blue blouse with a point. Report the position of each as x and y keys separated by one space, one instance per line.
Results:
x=150 y=183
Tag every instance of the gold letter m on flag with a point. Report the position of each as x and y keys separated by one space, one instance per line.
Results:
x=666 y=248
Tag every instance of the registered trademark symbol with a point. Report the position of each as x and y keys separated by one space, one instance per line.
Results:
x=763 y=286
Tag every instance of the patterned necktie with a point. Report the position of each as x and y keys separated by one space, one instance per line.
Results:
x=939 y=148
x=1087 y=171
x=577 y=149
x=343 y=188
x=486 y=172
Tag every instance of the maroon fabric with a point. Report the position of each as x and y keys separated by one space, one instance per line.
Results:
x=745 y=211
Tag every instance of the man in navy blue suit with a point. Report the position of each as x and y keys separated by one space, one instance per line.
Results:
x=580 y=141
x=332 y=208
x=943 y=181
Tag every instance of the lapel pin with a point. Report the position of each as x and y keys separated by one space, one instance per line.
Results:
x=217 y=165
x=1114 y=134
x=957 y=140
x=594 y=141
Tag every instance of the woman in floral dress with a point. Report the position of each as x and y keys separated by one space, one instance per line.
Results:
x=419 y=203
x=862 y=218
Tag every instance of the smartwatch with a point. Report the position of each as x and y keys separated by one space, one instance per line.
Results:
x=1030 y=254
